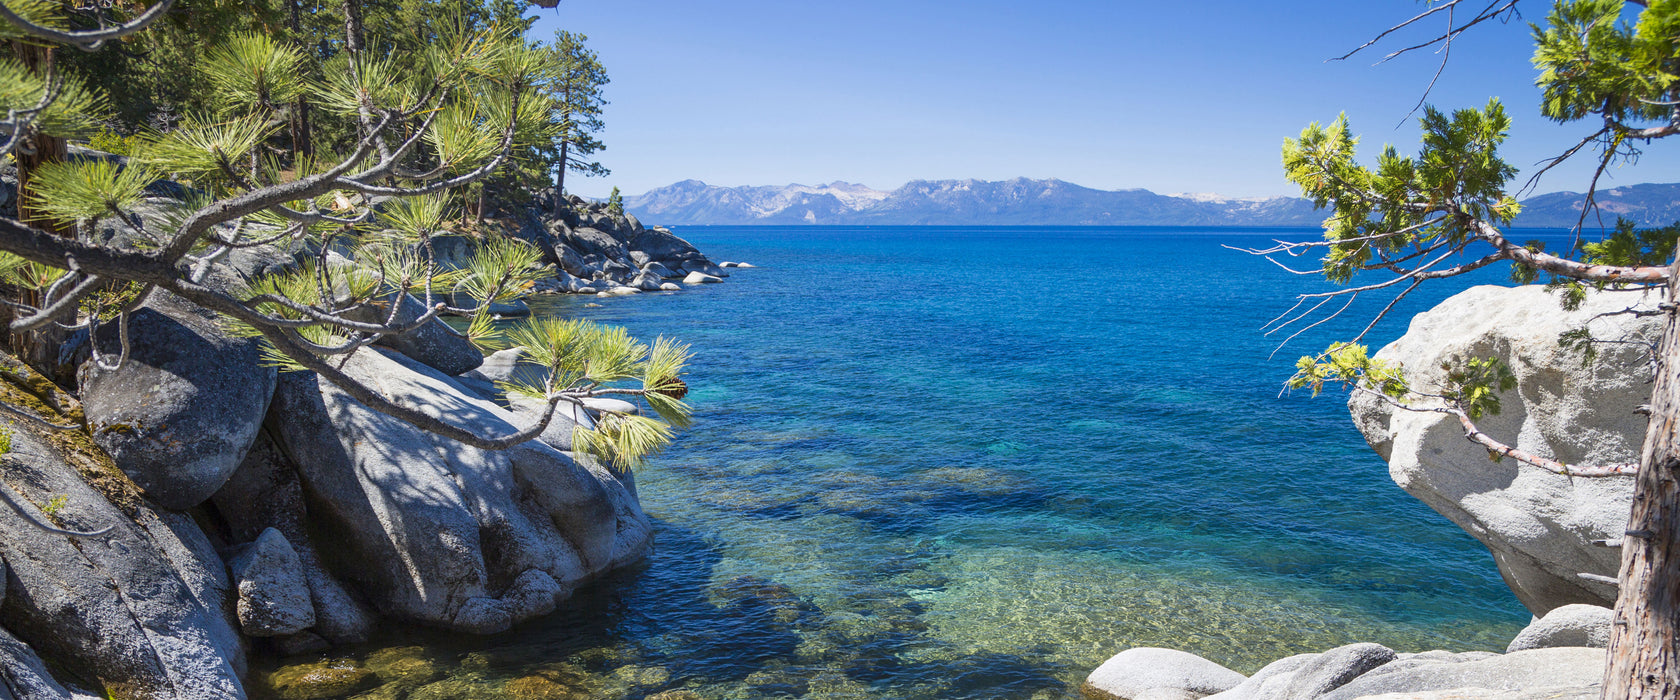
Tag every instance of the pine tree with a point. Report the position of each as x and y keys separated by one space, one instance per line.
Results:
x=575 y=93
x=1413 y=217
x=424 y=124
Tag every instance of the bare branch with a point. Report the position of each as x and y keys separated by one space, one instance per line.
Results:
x=91 y=39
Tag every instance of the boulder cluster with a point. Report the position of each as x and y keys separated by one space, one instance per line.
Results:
x=1554 y=537
x=252 y=509
x=595 y=250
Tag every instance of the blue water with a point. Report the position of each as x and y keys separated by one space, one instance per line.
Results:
x=975 y=462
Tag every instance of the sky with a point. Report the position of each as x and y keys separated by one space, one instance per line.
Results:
x=1111 y=94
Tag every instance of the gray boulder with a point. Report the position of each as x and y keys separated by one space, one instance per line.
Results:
x=704 y=266
x=23 y=676
x=700 y=278
x=263 y=494
x=662 y=246
x=1538 y=525
x=588 y=240
x=1562 y=671
x=647 y=281
x=179 y=415
x=1567 y=626
x=1333 y=669
x=273 y=596
x=569 y=259
x=661 y=270
x=1134 y=671
x=1268 y=683
x=433 y=531
x=433 y=344
x=128 y=607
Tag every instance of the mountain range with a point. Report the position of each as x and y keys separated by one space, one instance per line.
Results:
x=1023 y=201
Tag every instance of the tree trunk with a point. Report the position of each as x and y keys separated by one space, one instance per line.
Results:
x=353 y=26
x=1642 y=661
x=302 y=148
x=38 y=348
x=560 y=181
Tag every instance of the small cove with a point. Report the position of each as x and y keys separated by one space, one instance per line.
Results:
x=939 y=462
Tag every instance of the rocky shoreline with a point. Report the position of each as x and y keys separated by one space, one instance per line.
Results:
x=1547 y=533
x=254 y=512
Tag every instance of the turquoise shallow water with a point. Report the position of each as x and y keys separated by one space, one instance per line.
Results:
x=974 y=463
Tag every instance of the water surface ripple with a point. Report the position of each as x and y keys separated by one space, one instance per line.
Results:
x=973 y=463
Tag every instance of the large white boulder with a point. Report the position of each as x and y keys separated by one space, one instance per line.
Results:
x=1566 y=672
x=1138 y=670
x=1568 y=626
x=434 y=531
x=1538 y=525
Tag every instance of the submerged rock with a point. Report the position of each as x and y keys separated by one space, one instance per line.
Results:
x=1539 y=526
x=321 y=680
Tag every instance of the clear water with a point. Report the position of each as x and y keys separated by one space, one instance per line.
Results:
x=974 y=463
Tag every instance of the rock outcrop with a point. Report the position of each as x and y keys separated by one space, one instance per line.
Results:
x=1539 y=526
x=143 y=609
x=1356 y=671
x=179 y=415
x=239 y=509
x=437 y=532
x=1564 y=673
x=1568 y=626
x=604 y=251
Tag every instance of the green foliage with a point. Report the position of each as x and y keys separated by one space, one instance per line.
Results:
x=1626 y=245
x=1350 y=365
x=1579 y=340
x=78 y=190
x=575 y=355
x=1592 y=63
x=575 y=97
x=5 y=440
x=615 y=203
x=502 y=269
x=56 y=505
x=1474 y=385
x=206 y=150
x=252 y=72
x=1400 y=204
x=77 y=112
x=412 y=220
x=112 y=142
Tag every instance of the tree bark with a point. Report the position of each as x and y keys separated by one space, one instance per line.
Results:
x=37 y=348
x=1643 y=662
x=560 y=181
x=302 y=147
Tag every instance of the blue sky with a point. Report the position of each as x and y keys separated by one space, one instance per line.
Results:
x=1168 y=96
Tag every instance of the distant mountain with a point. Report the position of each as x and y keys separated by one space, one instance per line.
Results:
x=1054 y=202
x=957 y=202
x=1646 y=205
